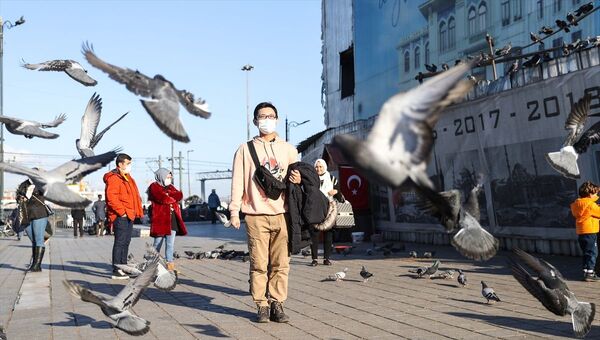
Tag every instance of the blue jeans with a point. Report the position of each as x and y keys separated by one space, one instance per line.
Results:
x=587 y=243
x=35 y=230
x=170 y=244
x=122 y=228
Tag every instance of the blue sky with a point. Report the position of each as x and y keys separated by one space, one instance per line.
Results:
x=199 y=45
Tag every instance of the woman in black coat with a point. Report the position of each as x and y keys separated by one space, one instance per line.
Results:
x=36 y=215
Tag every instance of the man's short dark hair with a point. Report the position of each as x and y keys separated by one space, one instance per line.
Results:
x=99 y=196
x=262 y=106
x=122 y=157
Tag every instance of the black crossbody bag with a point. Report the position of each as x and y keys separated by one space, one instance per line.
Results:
x=270 y=185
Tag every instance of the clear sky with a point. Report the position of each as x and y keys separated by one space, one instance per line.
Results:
x=198 y=45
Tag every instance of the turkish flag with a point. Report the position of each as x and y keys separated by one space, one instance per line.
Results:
x=355 y=188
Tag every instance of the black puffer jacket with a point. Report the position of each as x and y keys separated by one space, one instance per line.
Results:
x=35 y=205
x=306 y=205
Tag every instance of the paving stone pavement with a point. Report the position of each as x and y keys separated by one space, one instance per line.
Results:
x=212 y=300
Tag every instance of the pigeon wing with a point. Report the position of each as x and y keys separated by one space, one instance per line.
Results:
x=10 y=120
x=30 y=130
x=59 y=193
x=56 y=122
x=589 y=137
x=537 y=288
x=164 y=110
x=472 y=204
x=542 y=268
x=129 y=269
x=165 y=280
x=99 y=135
x=79 y=74
x=78 y=168
x=197 y=107
x=84 y=294
x=90 y=120
x=51 y=65
x=131 y=293
x=133 y=324
x=18 y=169
x=445 y=206
x=576 y=119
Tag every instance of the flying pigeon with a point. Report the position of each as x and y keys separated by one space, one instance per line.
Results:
x=585 y=8
x=223 y=218
x=550 y=288
x=117 y=308
x=365 y=274
x=546 y=30
x=445 y=275
x=413 y=254
x=72 y=68
x=165 y=279
x=339 y=276
x=471 y=240
x=563 y=25
x=30 y=128
x=163 y=105
x=576 y=143
x=421 y=271
x=462 y=278
x=489 y=293
x=400 y=142
x=89 y=123
x=53 y=183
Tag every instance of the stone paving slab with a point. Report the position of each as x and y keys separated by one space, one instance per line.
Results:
x=212 y=300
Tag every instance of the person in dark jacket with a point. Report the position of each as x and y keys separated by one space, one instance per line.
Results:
x=99 y=210
x=37 y=217
x=78 y=215
x=166 y=213
x=213 y=203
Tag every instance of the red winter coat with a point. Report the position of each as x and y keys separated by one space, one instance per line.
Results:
x=163 y=199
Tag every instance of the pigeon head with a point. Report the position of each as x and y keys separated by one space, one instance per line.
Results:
x=483 y=285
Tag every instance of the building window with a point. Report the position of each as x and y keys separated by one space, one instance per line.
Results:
x=472 y=17
x=417 y=57
x=451 y=33
x=517 y=9
x=540 y=7
x=406 y=62
x=443 y=37
x=482 y=14
x=557 y=5
x=576 y=2
x=505 y=8
x=347 y=72
x=576 y=35
x=557 y=43
x=427 y=53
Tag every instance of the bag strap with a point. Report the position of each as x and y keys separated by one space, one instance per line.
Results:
x=253 y=154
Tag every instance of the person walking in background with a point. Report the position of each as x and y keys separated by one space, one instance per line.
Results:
x=587 y=215
x=37 y=217
x=166 y=213
x=123 y=205
x=266 y=226
x=78 y=215
x=99 y=210
x=213 y=203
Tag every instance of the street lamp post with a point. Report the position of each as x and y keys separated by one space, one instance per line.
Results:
x=188 y=171
x=247 y=68
x=291 y=124
x=9 y=25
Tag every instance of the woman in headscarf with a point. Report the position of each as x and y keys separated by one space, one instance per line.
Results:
x=166 y=213
x=330 y=188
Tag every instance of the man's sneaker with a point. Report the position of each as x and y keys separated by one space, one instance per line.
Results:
x=263 y=314
x=119 y=275
x=314 y=263
x=327 y=262
x=591 y=277
x=277 y=313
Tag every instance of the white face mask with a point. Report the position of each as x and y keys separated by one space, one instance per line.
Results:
x=267 y=126
x=127 y=169
x=168 y=181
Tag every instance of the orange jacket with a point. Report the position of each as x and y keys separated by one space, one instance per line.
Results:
x=122 y=196
x=586 y=213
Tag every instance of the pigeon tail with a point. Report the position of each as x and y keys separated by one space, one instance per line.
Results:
x=474 y=242
x=565 y=162
x=582 y=318
x=165 y=280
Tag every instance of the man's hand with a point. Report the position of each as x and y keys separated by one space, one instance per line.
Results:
x=235 y=221
x=332 y=192
x=295 y=177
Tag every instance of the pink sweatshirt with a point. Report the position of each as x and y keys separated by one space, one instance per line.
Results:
x=276 y=155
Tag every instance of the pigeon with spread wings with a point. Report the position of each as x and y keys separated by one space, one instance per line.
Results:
x=577 y=141
x=89 y=138
x=163 y=105
x=30 y=128
x=72 y=68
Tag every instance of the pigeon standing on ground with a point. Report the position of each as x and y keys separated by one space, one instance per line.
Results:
x=339 y=276
x=30 y=128
x=550 y=288
x=413 y=254
x=305 y=252
x=399 y=144
x=89 y=124
x=117 y=308
x=195 y=255
x=489 y=293
x=72 y=68
x=164 y=98
x=576 y=143
x=426 y=270
x=462 y=278
x=428 y=254
x=365 y=274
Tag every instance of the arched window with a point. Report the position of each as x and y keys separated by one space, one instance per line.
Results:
x=406 y=61
x=443 y=36
x=427 y=53
x=451 y=33
x=417 y=57
x=472 y=18
x=482 y=14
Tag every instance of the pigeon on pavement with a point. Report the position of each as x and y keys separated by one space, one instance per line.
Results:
x=462 y=278
x=72 y=68
x=428 y=254
x=117 y=307
x=164 y=98
x=445 y=275
x=365 y=274
x=339 y=276
x=413 y=254
x=30 y=128
x=426 y=270
x=550 y=288
x=89 y=123
x=489 y=293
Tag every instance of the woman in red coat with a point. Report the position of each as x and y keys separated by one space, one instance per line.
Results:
x=166 y=221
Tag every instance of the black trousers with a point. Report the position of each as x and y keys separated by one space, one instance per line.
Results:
x=327 y=243
x=78 y=224
x=122 y=228
x=213 y=215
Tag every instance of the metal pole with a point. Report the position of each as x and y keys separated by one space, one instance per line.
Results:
x=188 y=173
x=159 y=162
x=180 y=168
x=247 y=108
x=490 y=42
x=287 y=129
x=172 y=155
x=202 y=189
x=1 y=124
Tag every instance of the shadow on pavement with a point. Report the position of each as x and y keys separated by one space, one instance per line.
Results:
x=209 y=330
x=479 y=303
x=76 y=320
x=221 y=289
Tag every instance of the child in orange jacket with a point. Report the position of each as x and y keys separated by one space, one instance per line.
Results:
x=587 y=215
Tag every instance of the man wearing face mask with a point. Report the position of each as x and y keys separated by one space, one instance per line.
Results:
x=266 y=225
x=123 y=205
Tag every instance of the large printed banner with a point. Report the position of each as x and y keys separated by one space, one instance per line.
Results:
x=355 y=188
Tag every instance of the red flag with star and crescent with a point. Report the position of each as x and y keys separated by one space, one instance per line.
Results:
x=355 y=188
